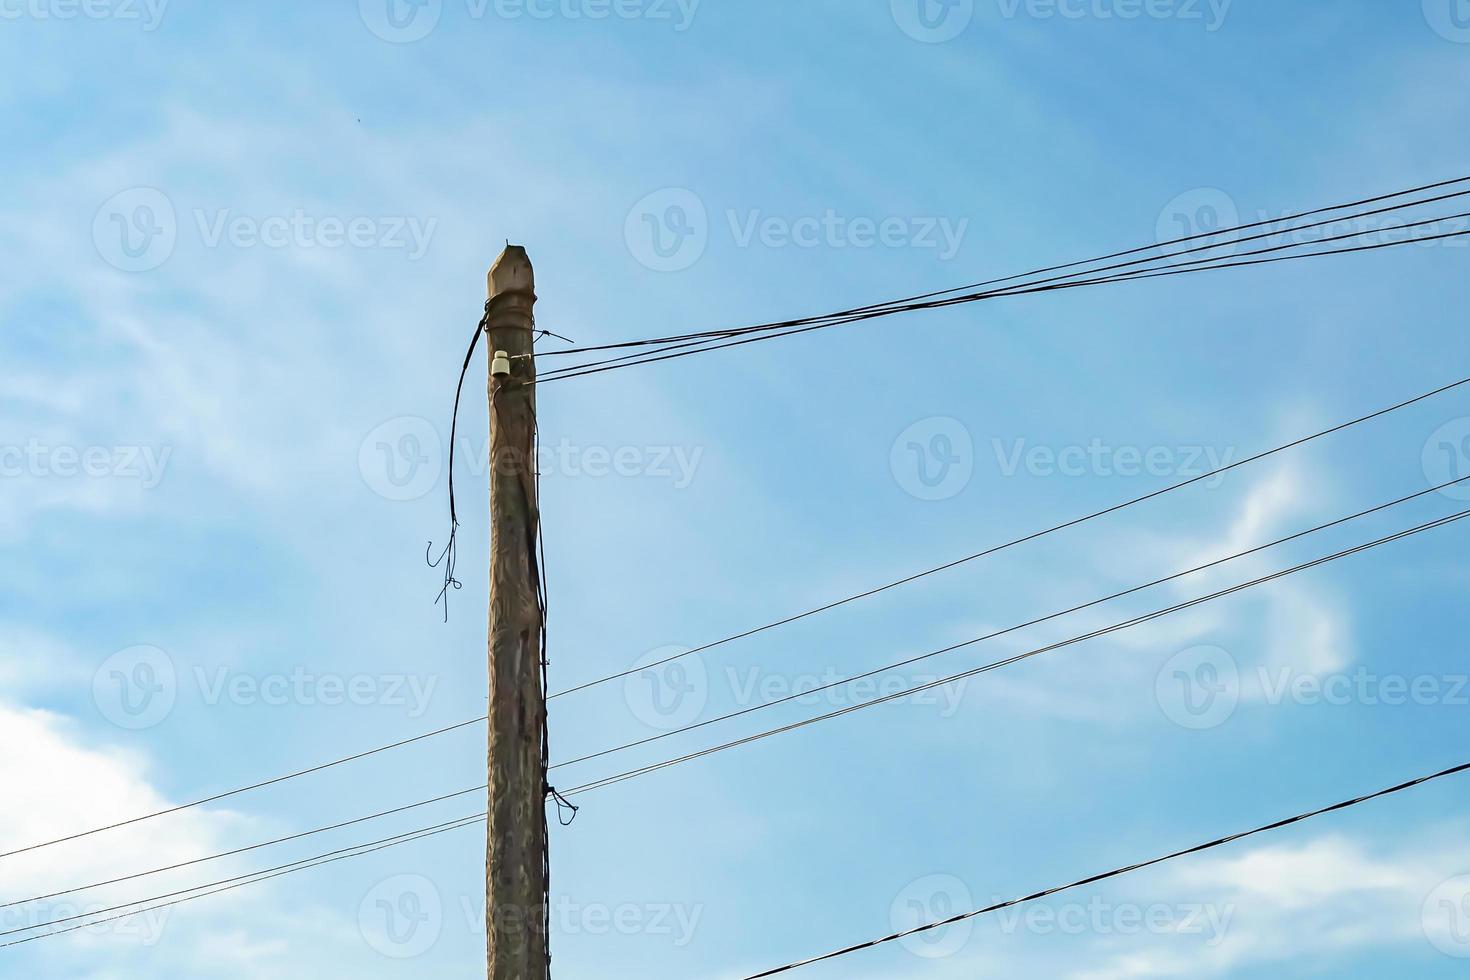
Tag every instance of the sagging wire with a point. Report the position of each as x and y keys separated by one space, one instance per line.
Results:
x=448 y=557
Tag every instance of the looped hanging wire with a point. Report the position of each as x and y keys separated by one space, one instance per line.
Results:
x=563 y=806
x=448 y=557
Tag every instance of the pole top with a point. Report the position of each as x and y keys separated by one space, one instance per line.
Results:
x=511 y=273
x=512 y=287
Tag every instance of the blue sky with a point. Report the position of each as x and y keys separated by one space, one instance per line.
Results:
x=244 y=249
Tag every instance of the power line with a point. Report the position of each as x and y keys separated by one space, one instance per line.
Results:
x=579 y=371
x=781 y=622
x=1094 y=879
x=1011 y=629
x=331 y=857
x=254 y=877
x=242 y=789
x=1037 y=272
x=439 y=799
x=885 y=309
x=930 y=300
x=243 y=850
x=449 y=824
x=1023 y=540
x=778 y=623
x=1116 y=627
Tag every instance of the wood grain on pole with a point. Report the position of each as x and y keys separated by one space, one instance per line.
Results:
x=514 y=875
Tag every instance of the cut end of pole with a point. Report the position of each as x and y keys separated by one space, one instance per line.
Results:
x=511 y=273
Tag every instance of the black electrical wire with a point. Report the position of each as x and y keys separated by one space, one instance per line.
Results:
x=790 y=619
x=1116 y=627
x=449 y=824
x=358 y=850
x=241 y=789
x=449 y=556
x=243 y=850
x=1011 y=629
x=331 y=857
x=995 y=549
x=899 y=306
x=581 y=371
x=1056 y=615
x=1036 y=272
x=1094 y=879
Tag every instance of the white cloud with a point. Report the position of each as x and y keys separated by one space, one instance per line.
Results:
x=70 y=787
x=1303 y=904
x=1295 y=903
x=64 y=785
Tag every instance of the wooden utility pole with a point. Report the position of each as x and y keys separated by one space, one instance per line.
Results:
x=515 y=880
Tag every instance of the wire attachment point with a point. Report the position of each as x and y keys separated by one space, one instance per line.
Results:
x=563 y=805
